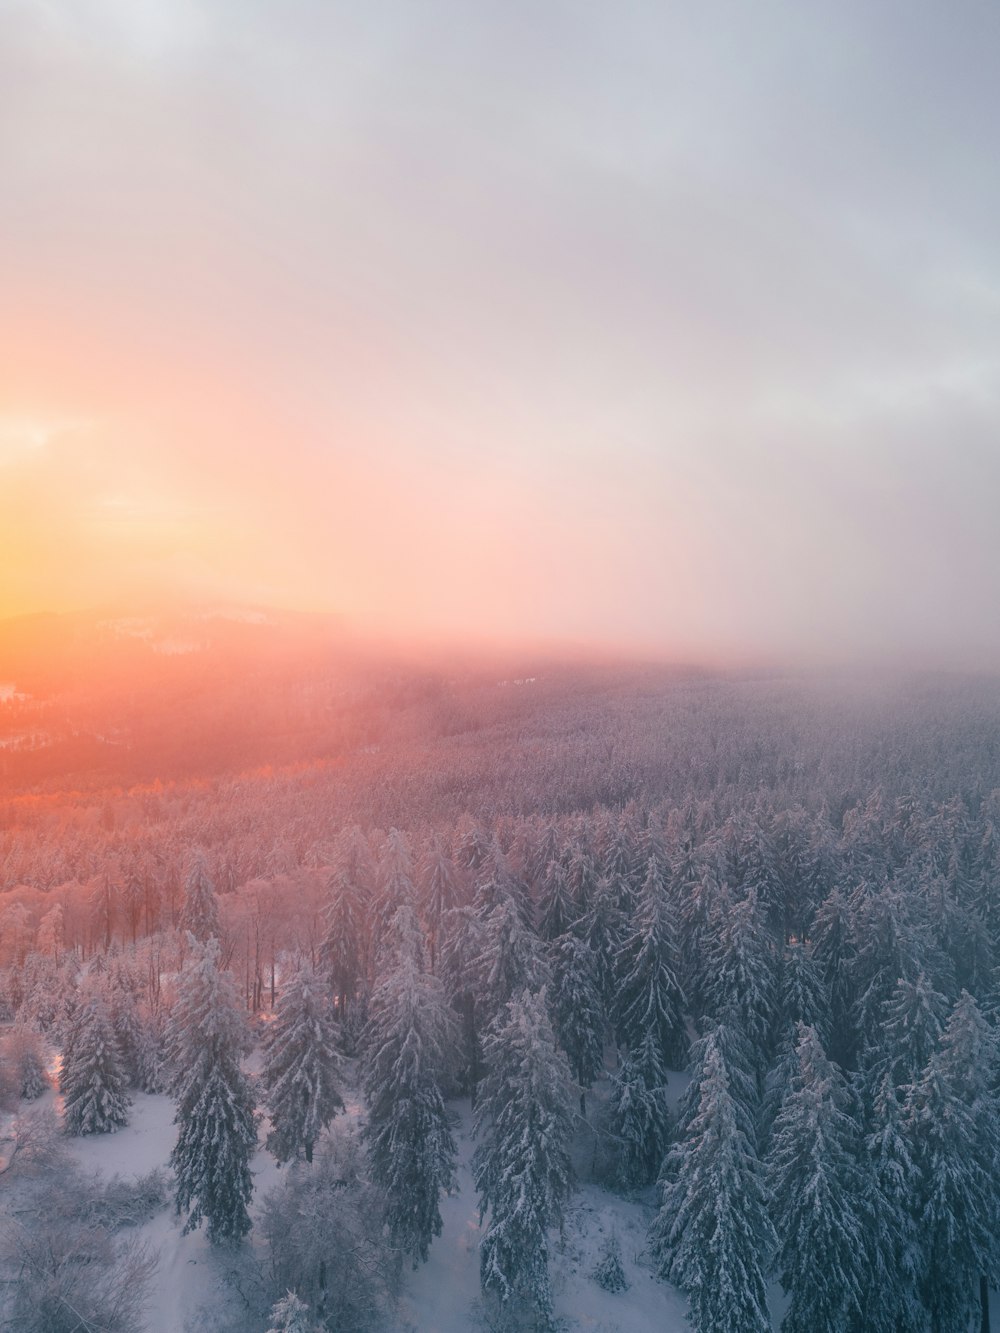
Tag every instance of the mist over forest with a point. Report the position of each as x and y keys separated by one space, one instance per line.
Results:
x=492 y=994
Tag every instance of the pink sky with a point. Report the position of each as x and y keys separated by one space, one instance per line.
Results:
x=610 y=324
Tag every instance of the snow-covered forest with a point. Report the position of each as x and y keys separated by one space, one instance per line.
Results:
x=605 y=999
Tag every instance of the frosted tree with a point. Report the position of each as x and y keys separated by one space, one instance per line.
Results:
x=410 y=1043
x=200 y=910
x=649 y=995
x=394 y=882
x=834 y=952
x=92 y=1081
x=601 y=926
x=522 y=1165
x=25 y=1055
x=577 y=1013
x=890 y=1276
x=511 y=959
x=151 y=1062
x=440 y=890
x=299 y=1075
x=803 y=996
x=815 y=1188
x=290 y=1315
x=342 y=948
x=496 y=884
x=740 y=1072
x=711 y=1236
x=912 y=1020
x=217 y=1129
x=557 y=909
x=639 y=1120
x=741 y=985
x=461 y=954
x=951 y=1127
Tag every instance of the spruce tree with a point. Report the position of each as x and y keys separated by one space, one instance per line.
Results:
x=577 y=1014
x=711 y=1236
x=815 y=1187
x=511 y=959
x=217 y=1129
x=410 y=1043
x=300 y=1066
x=341 y=951
x=290 y=1315
x=950 y=1123
x=639 y=1120
x=741 y=984
x=522 y=1165
x=200 y=910
x=92 y=1080
x=649 y=996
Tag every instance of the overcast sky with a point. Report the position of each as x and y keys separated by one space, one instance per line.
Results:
x=668 y=326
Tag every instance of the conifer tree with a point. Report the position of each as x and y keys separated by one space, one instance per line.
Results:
x=601 y=926
x=522 y=1165
x=217 y=1129
x=300 y=1066
x=92 y=1080
x=889 y=1302
x=341 y=951
x=440 y=886
x=950 y=1124
x=200 y=911
x=577 y=1014
x=639 y=1118
x=741 y=986
x=711 y=1236
x=815 y=1190
x=23 y=1052
x=410 y=1042
x=557 y=910
x=290 y=1315
x=649 y=995
x=511 y=960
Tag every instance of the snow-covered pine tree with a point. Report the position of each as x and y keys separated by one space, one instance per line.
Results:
x=649 y=995
x=890 y=1299
x=577 y=1013
x=92 y=1081
x=217 y=1128
x=342 y=950
x=461 y=952
x=410 y=1044
x=741 y=983
x=522 y=1165
x=834 y=952
x=815 y=1187
x=712 y=1236
x=951 y=1127
x=602 y=926
x=290 y=1315
x=912 y=1021
x=394 y=883
x=511 y=960
x=639 y=1120
x=200 y=910
x=740 y=1073
x=557 y=909
x=439 y=889
x=299 y=1074
x=152 y=1052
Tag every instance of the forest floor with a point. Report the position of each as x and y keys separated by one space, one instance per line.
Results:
x=442 y=1296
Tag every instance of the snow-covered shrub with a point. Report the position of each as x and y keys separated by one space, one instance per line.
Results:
x=609 y=1272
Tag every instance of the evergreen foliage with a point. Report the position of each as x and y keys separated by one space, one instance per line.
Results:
x=217 y=1128
x=300 y=1066
x=92 y=1081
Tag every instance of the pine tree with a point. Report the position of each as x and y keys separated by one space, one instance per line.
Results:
x=649 y=997
x=290 y=1315
x=342 y=949
x=601 y=927
x=577 y=1014
x=24 y=1052
x=815 y=1190
x=741 y=985
x=152 y=1052
x=711 y=1236
x=200 y=911
x=522 y=1165
x=639 y=1118
x=410 y=1040
x=92 y=1080
x=217 y=1129
x=557 y=910
x=440 y=889
x=300 y=1066
x=912 y=1020
x=951 y=1126
x=511 y=960
x=889 y=1302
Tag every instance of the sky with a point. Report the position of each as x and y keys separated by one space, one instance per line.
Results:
x=652 y=326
